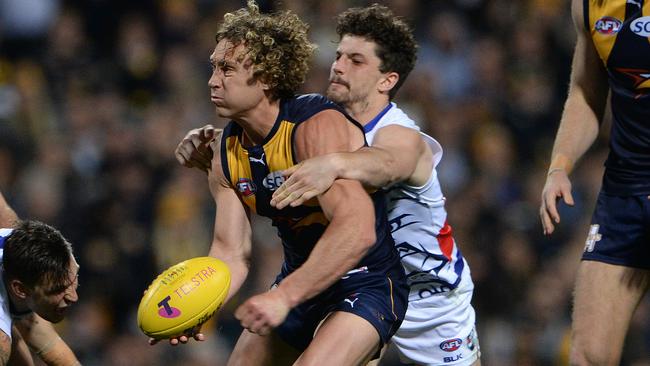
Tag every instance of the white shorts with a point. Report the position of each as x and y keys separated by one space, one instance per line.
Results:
x=440 y=330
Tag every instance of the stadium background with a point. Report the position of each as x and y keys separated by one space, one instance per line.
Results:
x=95 y=95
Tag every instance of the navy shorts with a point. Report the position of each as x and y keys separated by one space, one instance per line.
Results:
x=620 y=231
x=380 y=298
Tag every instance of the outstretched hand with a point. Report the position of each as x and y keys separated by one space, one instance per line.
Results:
x=305 y=181
x=194 y=150
x=557 y=186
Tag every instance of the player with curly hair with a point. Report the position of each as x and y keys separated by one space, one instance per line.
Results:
x=341 y=292
x=376 y=53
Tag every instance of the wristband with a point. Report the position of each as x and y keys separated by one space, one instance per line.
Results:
x=560 y=161
x=553 y=170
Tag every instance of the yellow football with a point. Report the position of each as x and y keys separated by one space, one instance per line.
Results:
x=183 y=296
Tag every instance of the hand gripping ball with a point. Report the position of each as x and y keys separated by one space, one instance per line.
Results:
x=184 y=296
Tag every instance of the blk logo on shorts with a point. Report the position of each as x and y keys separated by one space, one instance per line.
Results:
x=592 y=238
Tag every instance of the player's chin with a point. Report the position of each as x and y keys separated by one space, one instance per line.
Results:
x=334 y=93
x=56 y=316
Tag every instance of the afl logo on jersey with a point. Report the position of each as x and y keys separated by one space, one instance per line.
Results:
x=641 y=26
x=246 y=187
x=608 y=25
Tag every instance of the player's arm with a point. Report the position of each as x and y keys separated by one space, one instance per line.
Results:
x=232 y=240
x=5 y=348
x=351 y=231
x=20 y=354
x=580 y=122
x=232 y=236
x=44 y=341
x=397 y=154
x=349 y=235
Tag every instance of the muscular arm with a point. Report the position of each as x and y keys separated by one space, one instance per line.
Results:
x=583 y=110
x=351 y=231
x=232 y=240
x=397 y=154
x=393 y=157
x=585 y=104
x=44 y=341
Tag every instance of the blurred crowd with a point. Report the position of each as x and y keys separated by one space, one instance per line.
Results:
x=96 y=94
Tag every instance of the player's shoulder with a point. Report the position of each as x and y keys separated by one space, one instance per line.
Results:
x=303 y=107
x=580 y=14
x=394 y=116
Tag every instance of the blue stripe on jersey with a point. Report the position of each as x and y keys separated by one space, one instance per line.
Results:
x=460 y=265
x=4 y=234
x=367 y=128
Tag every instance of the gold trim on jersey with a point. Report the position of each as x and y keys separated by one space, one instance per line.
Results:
x=278 y=155
x=603 y=41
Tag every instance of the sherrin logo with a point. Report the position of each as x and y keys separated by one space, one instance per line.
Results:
x=608 y=25
x=450 y=345
x=641 y=26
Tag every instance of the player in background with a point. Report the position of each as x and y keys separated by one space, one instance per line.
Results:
x=375 y=55
x=39 y=283
x=341 y=292
x=612 y=56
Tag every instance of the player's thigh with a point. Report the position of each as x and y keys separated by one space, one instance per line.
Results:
x=605 y=291
x=342 y=339
x=256 y=350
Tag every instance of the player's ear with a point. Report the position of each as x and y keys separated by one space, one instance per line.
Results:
x=19 y=289
x=388 y=82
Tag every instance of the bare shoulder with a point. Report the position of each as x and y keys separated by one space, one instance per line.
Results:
x=577 y=13
x=326 y=132
x=5 y=348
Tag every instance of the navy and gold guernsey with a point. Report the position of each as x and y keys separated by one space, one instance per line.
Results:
x=620 y=30
x=254 y=173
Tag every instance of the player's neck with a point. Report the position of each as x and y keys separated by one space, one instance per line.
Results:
x=259 y=121
x=366 y=110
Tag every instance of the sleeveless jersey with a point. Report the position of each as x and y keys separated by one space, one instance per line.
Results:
x=418 y=220
x=254 y=172
x=5 y=314
x=620 y=31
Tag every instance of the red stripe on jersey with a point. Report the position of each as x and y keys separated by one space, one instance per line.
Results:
x=446 y=241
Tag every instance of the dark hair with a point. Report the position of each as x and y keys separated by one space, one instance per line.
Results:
x=277 y=45
x=36 y=253
x=396 y=46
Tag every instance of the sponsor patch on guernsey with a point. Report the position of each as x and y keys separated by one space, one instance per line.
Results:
x=641 y=26
x=608 y=25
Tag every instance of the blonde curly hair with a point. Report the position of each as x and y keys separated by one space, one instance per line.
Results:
x=277 y=44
